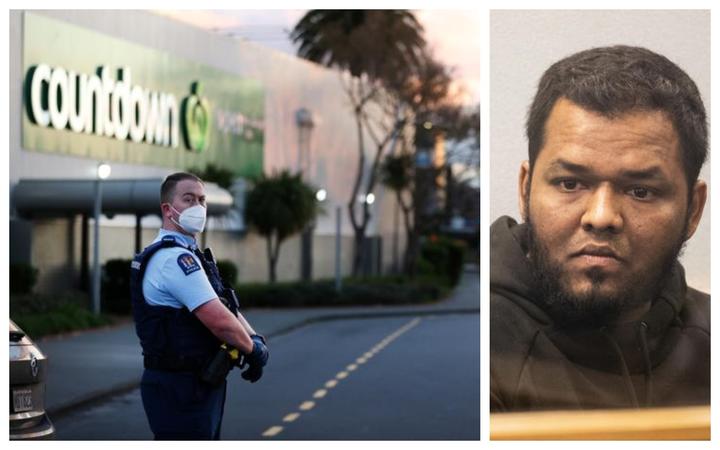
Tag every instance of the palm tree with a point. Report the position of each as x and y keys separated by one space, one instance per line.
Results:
x=372 y=47
x=360 y=41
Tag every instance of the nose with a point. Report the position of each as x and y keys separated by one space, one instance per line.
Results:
x=603 y=211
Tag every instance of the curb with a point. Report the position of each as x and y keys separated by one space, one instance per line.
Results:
x=104 y=394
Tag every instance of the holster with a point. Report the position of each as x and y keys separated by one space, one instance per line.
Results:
x=220 y=365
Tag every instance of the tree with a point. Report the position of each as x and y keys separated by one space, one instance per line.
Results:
x=279 y=206
x=362 y=42
x=214 y=174
x=397 y=174
x=426 y=92
x=371 y=48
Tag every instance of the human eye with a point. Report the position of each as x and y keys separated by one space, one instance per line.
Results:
x=641 y=193
x=568 y=184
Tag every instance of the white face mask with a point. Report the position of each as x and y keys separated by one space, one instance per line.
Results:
x=192 y=220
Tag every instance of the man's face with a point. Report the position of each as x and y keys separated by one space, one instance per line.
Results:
x=187 y=193
x=607 y=204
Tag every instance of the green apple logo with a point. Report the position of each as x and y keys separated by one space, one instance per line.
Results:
x=195 y=114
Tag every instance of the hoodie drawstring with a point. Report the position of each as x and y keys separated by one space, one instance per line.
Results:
x=648 y=365
x=625 y=372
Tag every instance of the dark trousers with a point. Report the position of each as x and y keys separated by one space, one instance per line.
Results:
x=180 y=406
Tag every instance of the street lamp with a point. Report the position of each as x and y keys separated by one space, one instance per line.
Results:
x=305 y=123
x=103 y=171
x=338 y=247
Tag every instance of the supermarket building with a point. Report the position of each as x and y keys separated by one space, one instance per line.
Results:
x=193 y=98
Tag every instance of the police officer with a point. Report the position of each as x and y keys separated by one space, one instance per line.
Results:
x=185 y=316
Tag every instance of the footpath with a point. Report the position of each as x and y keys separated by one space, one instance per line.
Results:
x=89 y=366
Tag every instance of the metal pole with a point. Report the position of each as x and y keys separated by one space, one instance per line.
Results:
x=338 y=224
x=138 y=233
x=96 y=249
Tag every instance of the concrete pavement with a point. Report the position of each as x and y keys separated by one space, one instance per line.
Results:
x=88 y=366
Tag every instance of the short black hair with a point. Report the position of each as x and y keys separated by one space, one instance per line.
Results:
x=619 y=79
x=167 y=189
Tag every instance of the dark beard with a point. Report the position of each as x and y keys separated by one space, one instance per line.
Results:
x=592 y=309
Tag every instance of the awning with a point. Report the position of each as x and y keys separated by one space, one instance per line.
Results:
x=53 y=198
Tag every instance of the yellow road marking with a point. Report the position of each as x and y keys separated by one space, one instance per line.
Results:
x=291 y=417
x=306 y=406
x=319 y=393
x=341 y=375
x=272 y=431
x=361 y=360
x=351 y=367
x=331 y=384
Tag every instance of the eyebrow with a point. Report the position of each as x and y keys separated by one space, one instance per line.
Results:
x=649 y=173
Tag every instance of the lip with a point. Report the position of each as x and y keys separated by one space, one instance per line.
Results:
x=597 y=256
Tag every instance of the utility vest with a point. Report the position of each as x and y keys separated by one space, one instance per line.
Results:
x=171 y=338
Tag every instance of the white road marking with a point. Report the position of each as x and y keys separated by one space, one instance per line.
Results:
x=272 y=431
x=291 y=417
x=320 y=393
x=308 y=405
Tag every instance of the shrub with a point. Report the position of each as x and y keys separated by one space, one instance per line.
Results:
x=355 y=292
x=68 y=317
x=442 y=256
x=116 y=286
x=228 y=271
x=22 y=278
x=41 y=315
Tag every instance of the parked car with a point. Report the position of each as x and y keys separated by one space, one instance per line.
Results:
x=28 y=369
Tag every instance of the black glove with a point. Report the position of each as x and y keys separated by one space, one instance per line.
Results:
x=252 y=373
x=256 y=359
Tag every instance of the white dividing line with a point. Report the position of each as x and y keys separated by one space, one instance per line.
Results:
x=320 y=393
x=291 y=417
x=272 y=431
x=307 y=406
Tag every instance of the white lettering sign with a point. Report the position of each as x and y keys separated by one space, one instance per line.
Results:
x=237 y=123
x=100 y=105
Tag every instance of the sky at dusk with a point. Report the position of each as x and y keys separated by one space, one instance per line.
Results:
x=453 y=35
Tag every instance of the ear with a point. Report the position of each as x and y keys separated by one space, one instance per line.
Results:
x=524 y=189
x=166 y=210
x=696 y=207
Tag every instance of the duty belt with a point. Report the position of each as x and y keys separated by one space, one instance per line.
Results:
x=174 y=363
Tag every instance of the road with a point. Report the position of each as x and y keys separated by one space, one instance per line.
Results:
x=390 y=378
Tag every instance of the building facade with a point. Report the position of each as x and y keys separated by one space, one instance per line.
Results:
x=151 y=96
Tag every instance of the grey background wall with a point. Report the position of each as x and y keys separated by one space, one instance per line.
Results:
x=525 y=43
